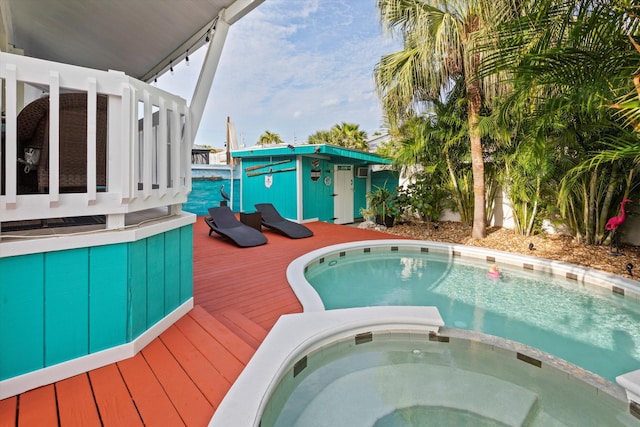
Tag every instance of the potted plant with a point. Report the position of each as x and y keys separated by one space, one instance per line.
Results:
x=381 y=202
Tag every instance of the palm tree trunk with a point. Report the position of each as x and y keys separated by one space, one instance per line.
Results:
x=479 y=230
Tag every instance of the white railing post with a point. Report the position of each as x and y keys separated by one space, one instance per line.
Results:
x=10 y=155
x=162 y=148
x=54 y=137
x=176 y=152
x=92 y=117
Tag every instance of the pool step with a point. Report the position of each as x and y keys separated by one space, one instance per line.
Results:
x=376 y=392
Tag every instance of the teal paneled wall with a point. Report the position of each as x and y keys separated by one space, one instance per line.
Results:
x=138 y=288
x=282 y=193
x=108 y=299
x=186 y=263
x=66 y=311
x=21 y=311
x=58 y=306
x=155 y=278
x=172 y=270
x=359 y=196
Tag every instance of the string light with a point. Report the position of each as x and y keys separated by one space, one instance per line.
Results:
x=207 y=37
x=186 y=58
x=171 y=67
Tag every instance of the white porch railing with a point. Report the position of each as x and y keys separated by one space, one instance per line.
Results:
x=148 y=144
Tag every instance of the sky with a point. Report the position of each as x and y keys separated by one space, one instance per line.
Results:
x=292 y=67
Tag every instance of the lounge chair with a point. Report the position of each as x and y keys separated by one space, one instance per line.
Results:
x=225 y=223
x=272 y=219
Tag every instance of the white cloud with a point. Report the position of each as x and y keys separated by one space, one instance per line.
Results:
x=293 y=70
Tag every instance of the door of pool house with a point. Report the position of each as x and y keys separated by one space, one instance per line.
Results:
x=343 y=194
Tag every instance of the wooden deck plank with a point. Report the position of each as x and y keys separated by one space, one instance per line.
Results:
x=206 y=377
x=152 y=402
x=221 y=358
x=193 y=407
x=112 y=397
x=76 y=406
x=8 y=411
x=38 y=407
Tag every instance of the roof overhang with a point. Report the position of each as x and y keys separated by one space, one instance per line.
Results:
x=139 y=37
x=318 y=150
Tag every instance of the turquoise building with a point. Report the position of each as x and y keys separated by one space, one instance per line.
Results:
x=311 y=182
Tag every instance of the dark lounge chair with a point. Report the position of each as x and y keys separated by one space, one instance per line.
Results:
x=272 y=219
x=225 y=223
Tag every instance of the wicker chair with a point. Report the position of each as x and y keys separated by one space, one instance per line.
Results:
x=33 y=132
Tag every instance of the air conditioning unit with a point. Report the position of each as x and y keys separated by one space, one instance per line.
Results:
x=362 y=172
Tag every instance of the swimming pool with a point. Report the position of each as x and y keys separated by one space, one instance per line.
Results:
x=593 y=325
x=262 y=390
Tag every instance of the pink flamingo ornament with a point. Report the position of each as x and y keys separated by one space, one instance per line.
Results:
x=613 y=224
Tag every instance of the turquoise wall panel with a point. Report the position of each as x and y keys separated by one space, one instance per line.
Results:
x=282 y=192
x=155 y=280
x=186 y=263
x=108 y=295
x=172 y=271
x=66 y=305
x=21 y=315
x=359 y=196
x=137 y=288
x=384 y=178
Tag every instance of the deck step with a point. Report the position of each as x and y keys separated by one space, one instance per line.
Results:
x=252 y=333
x=231 y=341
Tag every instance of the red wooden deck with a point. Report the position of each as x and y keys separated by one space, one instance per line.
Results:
x=182 y=376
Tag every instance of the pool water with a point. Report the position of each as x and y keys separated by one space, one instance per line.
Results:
x=586 y=325
x=405 y=379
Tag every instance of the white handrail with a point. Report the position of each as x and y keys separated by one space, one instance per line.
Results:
x=142 y=173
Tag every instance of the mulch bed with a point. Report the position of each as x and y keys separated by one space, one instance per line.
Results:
x=556 y=247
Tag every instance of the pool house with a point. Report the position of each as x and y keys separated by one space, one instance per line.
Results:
x=313 y=182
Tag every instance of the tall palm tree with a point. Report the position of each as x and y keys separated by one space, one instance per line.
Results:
x=439 y=46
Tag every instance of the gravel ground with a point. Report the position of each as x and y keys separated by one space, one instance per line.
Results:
x=556 y=247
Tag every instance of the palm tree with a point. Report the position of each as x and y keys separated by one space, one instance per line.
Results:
x=269 y=138
x=439 y=46
x=349 y=135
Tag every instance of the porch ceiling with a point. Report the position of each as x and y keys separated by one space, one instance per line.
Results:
x=138 y=37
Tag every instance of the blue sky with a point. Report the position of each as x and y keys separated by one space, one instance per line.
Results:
x=292 y=67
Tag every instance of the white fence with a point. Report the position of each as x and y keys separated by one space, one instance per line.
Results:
x=148 y=144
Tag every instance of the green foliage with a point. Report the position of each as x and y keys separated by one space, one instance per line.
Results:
x=269 y=138
x=423 y=197
x=382 y=201
x=346 y=135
